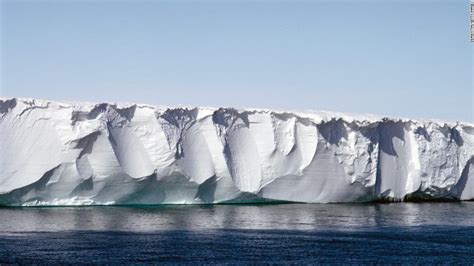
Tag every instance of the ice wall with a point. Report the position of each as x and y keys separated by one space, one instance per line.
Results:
x=78 y=153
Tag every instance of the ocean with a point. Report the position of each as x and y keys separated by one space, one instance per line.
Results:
x=400 y=233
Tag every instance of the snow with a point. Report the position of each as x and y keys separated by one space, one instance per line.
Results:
x=55 y=153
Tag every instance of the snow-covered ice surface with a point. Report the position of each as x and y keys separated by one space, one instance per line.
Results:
x=55 y=153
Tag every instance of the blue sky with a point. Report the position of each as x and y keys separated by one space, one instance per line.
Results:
x=397 y=58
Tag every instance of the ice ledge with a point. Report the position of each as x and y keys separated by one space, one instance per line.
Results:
x=316 y=116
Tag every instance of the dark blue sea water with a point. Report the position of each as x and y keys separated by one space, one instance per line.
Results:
x=284 y=233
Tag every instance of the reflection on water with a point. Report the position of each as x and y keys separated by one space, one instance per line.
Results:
x=275 y=217
x=402 y=233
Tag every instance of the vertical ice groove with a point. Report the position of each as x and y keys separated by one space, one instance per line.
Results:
x=413 y=164
x=464 y=188
x=284 y=131
x=128 y=149
x=394 y=159
x=240 y=149
x=196 y=161
x=87 y=153
x=306 y=134
x=147 y=128
x=262 y=131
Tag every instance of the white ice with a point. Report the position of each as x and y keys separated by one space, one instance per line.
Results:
x=55 y=153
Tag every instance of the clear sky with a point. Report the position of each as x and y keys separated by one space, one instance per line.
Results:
x=398 y=58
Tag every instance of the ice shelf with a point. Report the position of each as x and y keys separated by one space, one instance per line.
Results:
x=55 y=153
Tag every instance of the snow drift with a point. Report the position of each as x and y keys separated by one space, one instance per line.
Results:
x=74 y=154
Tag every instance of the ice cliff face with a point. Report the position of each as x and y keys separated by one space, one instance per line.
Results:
x=66 y=154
